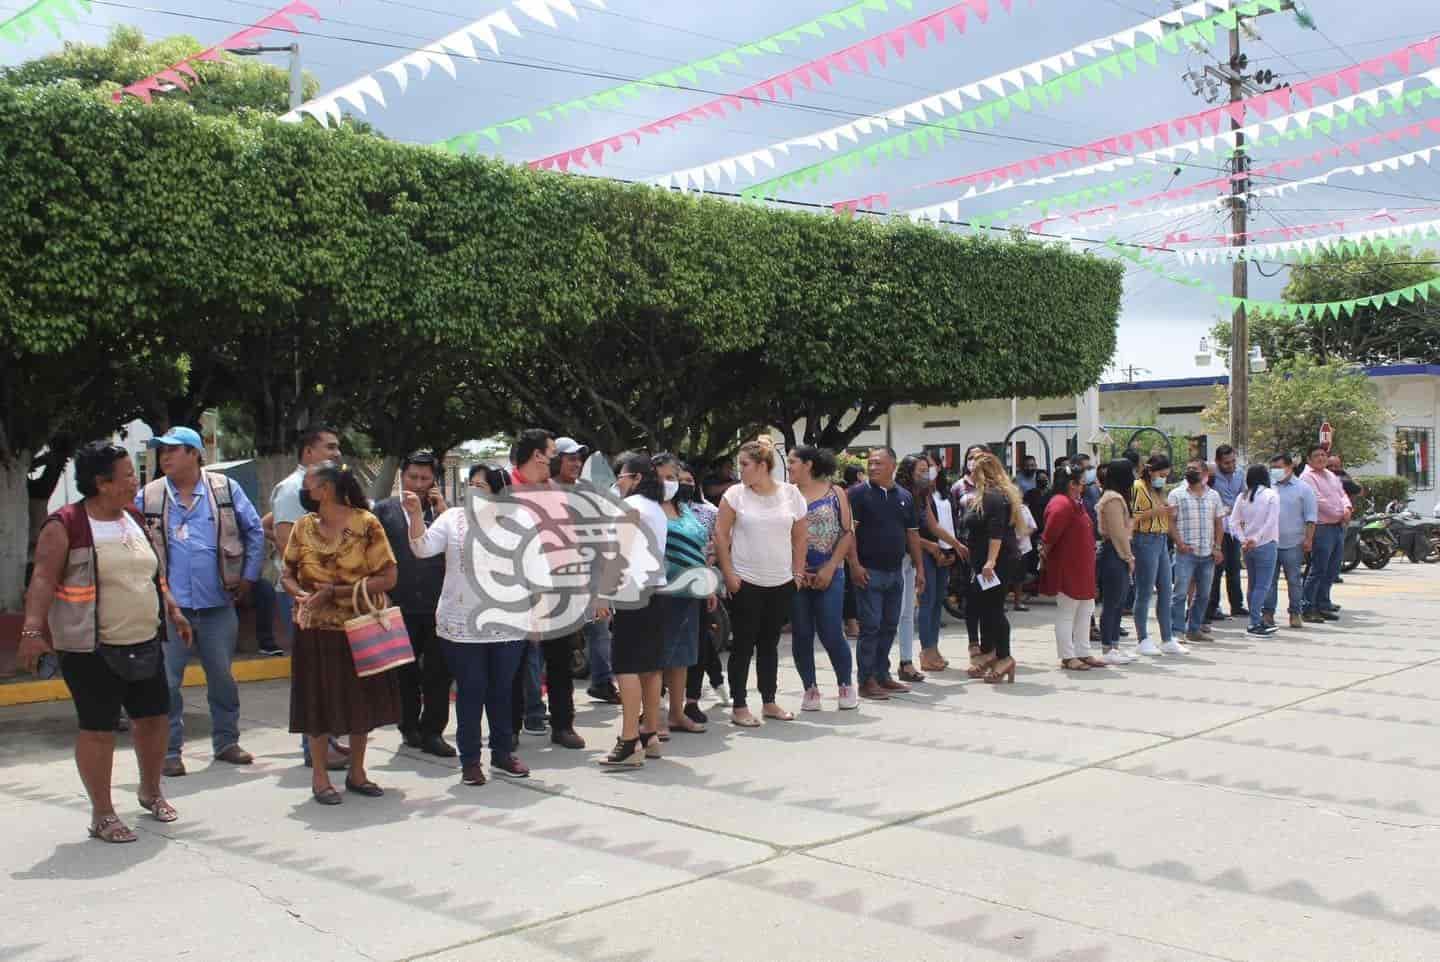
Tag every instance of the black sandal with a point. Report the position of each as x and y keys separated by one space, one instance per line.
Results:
x=368 y=789
x=327 y=797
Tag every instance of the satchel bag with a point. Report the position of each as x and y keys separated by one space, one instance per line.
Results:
x=377 y=636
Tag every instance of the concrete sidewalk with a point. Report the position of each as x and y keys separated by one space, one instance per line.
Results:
x=1263 y=800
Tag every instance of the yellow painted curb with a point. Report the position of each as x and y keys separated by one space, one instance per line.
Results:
x=248 y=669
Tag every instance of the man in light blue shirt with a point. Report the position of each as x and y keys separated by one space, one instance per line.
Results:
x=213 y=544
x=1299 y=512
x=1228 y=480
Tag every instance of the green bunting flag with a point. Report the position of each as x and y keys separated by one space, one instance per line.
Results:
x=42 y=13
x=985 y=116
x=852 y=15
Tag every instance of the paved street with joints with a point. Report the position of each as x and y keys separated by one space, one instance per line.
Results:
x=1263 y=799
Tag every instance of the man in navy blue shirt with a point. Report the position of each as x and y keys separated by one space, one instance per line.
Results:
x=886 y=529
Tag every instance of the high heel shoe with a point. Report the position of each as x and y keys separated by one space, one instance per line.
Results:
x=650 y=742
x=979 y=664
x=1003 y=670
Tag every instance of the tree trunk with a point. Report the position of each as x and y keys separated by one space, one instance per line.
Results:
x=270 y=470
x=14 y=530
x=385 y=481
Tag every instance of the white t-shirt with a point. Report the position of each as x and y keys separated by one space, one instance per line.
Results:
x=652 y=516
x=1024 y=544
x=760 y=547
x=943 y=512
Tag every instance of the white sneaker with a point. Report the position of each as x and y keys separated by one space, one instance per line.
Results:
x=721 y=692
x=1147 y=647
x=1174 y=648
x=849 y=700
x=811 y=701
x=1117 y=657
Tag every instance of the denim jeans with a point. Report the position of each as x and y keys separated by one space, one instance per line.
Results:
x=931 y=604
x=1197 y=569
x=820 y=612
x=597 y=646
x=1289 y=560
x=215 y=630
x=1324 y=555
x=905 y=628
x=1114 y=584
x=1152 y=573
x=484 y=674
x=534 y=695
x=1260 y=565
x=878 y=605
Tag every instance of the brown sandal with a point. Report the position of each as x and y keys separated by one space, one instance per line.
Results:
x=907 y=672
x=159 y=809
x=110 y=829
x=979 y=663
x=1003 y=670
x=1075 y=664
x=1094 y=662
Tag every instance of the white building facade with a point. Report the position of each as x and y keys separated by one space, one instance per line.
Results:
x=1411 y=392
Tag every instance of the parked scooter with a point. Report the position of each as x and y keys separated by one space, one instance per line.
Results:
x=1416 y=537
x=1368 y=541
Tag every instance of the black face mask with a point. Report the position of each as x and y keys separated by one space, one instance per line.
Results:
x=1193 y=477
x=686 y=494
x=308 y=502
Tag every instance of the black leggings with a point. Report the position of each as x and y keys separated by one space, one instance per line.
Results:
x=757 y=616
x=709 y=663
x=988 y=610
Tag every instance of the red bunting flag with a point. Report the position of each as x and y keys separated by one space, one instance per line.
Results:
x=171 y=76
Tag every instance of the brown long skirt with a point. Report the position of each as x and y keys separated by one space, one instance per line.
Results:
x=327 y=697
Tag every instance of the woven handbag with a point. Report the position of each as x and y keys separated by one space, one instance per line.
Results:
x=378 y=639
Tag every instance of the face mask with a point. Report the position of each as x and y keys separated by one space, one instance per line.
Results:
x=1157 y=482
x=687 y=492
x=1028 y=472
x=1277 y=475
x=934 y=473
x=671 y=488
x=970 y=466
x=1193 y=477
x=1089 y=475
x=307 y=502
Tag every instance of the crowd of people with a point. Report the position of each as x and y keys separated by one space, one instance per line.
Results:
x=128 y=584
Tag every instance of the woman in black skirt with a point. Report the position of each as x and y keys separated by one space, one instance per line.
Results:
x=331 y=549
x=637 y=635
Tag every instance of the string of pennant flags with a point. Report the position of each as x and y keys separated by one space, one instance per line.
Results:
x=458 y=43
x=1112 y=153
x=1375 y=241
x=984 y=102
x=857 y=56
x=42 y=14
x=851 y=16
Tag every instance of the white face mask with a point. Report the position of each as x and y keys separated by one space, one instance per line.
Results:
x=1277 y=475
x=1089 y=475
x=672 y=488
x=934 y=473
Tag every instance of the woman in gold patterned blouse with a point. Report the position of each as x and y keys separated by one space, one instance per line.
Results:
x=338 y=544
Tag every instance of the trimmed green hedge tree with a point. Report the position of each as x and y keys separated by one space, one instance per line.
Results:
x=426 y=298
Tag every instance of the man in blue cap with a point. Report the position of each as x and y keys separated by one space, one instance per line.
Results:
x=213 y=544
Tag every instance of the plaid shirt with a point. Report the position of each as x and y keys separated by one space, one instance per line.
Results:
x=1195 y=518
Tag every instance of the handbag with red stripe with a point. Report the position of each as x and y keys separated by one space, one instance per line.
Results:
x=378 y=639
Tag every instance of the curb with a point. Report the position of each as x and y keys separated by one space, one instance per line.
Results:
x=248 y=669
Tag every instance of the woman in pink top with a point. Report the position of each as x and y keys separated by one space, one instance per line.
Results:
x=1255 y=523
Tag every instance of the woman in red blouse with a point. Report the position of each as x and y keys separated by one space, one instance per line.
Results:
x=1069 y=572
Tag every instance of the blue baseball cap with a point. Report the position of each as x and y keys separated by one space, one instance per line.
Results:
x=178 y=437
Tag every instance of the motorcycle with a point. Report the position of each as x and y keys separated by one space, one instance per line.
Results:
x=1368 y=541
x=1416 y=537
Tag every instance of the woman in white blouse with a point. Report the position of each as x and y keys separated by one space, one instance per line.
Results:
x=483 y=663
x=1255 y=523
x=760 y=541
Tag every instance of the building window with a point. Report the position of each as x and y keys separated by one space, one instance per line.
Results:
x=1415 y=457
x=948 y=455
x=1183 y=409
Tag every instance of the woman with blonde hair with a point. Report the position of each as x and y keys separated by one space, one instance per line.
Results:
x=761 y=538
x=993 y=523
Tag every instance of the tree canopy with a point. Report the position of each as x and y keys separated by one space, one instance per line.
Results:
x=1290 y=401
x=1371 y=336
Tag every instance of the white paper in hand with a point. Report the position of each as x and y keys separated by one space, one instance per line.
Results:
x=993 y=581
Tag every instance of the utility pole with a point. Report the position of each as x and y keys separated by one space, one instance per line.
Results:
x=297 y=77
x=1241 y=86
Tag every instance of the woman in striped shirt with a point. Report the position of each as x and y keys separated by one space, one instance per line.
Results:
x=685 y=540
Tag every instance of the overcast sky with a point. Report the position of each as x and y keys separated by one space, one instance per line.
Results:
x=1161 y=322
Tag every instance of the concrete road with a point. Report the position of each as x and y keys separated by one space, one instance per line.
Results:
x=1261 y=800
